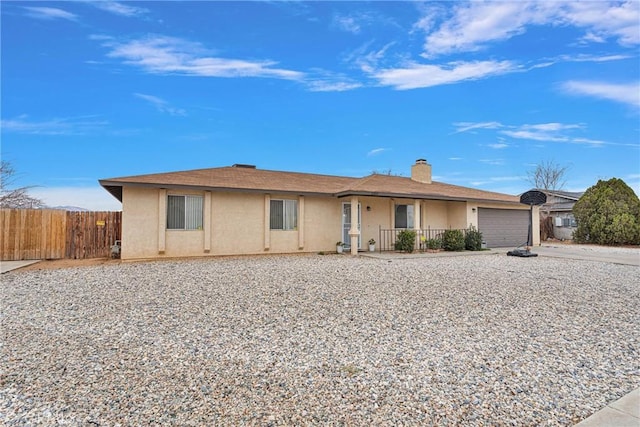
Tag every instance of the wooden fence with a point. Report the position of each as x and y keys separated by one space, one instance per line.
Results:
x=55 y=234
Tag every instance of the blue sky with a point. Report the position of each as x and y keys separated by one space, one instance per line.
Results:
x=483 y=90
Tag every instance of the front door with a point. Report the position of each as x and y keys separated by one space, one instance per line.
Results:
x=346 y=225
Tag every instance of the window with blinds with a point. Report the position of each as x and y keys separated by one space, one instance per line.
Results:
x=184 y=213
x=404 y=216
x=284 y=214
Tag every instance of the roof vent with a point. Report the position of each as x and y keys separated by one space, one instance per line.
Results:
x=240 y=165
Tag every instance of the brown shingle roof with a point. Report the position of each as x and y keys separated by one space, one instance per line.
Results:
x=234 y=178
x=251 y=179
x=397 y=186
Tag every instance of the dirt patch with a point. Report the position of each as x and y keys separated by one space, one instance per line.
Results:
x=54 y=264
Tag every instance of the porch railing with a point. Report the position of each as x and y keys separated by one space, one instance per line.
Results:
x=387 y=237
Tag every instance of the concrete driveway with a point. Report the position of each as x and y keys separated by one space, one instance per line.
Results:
x=6 y=266
x=627 y=256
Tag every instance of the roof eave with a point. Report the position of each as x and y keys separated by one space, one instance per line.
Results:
x=109 y=185
x=421 y=197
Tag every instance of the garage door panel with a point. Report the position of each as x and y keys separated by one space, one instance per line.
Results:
x=503 y=227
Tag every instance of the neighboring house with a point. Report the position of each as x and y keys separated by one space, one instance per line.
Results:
x=244 y=210
x=559 y=208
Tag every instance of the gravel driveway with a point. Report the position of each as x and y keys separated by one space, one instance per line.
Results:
x=319 y=340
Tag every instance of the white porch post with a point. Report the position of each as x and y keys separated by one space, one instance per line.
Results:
x=354 y=233
x=417 y=215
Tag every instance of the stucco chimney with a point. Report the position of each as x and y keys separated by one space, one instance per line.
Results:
x=421 y=171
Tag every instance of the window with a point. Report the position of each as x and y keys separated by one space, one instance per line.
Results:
x=284 y=214
x=404 y=216
x=184 y=213
x=566 y=222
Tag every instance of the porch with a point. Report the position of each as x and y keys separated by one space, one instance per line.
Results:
x=387 y=238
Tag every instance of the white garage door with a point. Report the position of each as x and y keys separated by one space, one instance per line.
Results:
x=503 y=227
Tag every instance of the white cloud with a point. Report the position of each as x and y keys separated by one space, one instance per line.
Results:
x=93 y=198
x=455 y=158
x=416 y=75
x=544 y=132
x=467 y=126
x=347 y=23
x=57 y=126
x=49 y=13
x=505 y=178
x=593 y=58
x=593 y=142
x=376 y=151
x=473 y=25
x=554 y=132
x=161 y=105
x=332 y=86
x=118 y=8
x=534 y=135
x=605 y=19
x=498 y=145
x=368 y=61
x=355 y=22
x=325 y=81
x=552 y=127
x=624 y=93
x=170 y=55
x=492 y=162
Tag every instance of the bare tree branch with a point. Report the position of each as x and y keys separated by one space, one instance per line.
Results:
x=15 y=198
x=548 y=175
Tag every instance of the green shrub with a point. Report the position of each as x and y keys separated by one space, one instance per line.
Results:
x=473 y=239
x=453 y=240
x=406 y=241
x=608 y=213
x=434 y=244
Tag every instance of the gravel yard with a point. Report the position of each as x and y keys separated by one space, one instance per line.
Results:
x=319 y=340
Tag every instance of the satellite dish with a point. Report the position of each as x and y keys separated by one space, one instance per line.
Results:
x=533 y=198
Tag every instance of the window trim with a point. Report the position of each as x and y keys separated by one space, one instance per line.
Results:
x=395 y=216
x=187 y=215
x=286 y=223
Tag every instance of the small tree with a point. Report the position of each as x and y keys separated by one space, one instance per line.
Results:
x=14 y=198
x=608 y=213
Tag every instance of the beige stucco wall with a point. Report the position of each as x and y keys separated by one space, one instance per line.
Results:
x=139 y=223
x=237 y=223
x=323 y=223
x=372 y=219
x=434 y=214
x=438 y=214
